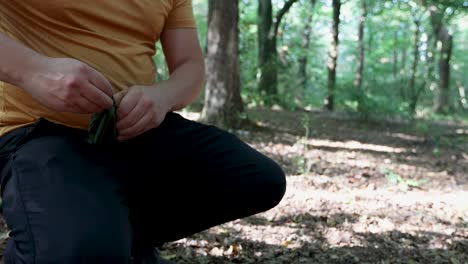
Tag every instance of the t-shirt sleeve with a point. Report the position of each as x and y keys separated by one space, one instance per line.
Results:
x=181 y=15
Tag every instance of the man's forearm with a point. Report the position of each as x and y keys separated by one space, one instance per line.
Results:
x=184 y=84
x=17 y=61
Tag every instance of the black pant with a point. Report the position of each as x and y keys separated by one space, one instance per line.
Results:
x=67 y=201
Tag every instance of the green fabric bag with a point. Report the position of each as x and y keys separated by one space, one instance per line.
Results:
x=103 y=127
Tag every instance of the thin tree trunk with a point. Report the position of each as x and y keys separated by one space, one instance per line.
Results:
x=333 y=56
x=444 y=45
x=403 y=60
x=267 y=70
x=429 y=61
x=305 y=47
x=414 y=68
x=223 y=103
x=395 y=59
x=446 y=39
x=369 y=44
x=360 y=66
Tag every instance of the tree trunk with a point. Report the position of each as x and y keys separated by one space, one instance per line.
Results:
x=414 y=67
x=429 y=67
x=444 y=45
x=267 y=71
x=332 y=56
x=223 y=103
x=446 y=39
x=369 y=45
x=305 y=47
x=430 y=61
x=403 y=71
x=360 y=66
x=395 y=59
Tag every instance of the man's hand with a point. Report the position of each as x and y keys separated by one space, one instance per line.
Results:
x=68 y=85
x=139 y=109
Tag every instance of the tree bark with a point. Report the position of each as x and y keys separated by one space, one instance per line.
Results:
x=414 y=68
x=429 y=68
x=305 y=47
x=333 y=56
x=360 y=66
x=223 y=103
x=444 y=45
x=402 y=75
x=267 y=70
x=446 y=39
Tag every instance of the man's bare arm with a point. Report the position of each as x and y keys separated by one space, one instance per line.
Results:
x=62 y=84
x=186 y=66
x=17 y=61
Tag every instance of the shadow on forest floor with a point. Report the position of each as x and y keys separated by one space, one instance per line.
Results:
x=388 y=247
x=358 y=192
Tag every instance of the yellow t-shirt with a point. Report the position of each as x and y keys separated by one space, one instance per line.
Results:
x=115 y=37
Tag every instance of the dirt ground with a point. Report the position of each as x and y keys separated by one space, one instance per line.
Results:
x=358 y=192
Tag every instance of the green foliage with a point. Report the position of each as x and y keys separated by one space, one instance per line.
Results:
x=389 y=41
x=404 y=184
x=371 y=102
x=300 y=161
x=162 y=73
x=248 y=52
x=422 y=128
x=102 y=128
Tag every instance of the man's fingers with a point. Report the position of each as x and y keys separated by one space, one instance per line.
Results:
x=132 y=118
x=140 y=127
x=100 y=82
x=119 y=96
x=96 y=96
x=127 y=103
x=85 y=106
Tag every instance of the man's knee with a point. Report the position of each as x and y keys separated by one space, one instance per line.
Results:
x=272 y=183
x=277 y=183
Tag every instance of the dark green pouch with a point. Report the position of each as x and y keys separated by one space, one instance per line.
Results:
x=103 y=127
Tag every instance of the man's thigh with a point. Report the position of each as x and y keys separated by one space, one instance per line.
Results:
x=63 y=202
x=195 y=176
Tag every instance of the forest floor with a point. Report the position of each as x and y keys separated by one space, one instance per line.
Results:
x=358 y=192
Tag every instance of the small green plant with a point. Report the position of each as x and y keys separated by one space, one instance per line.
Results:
x=395 y=179
x=422 y=128
x=300 y=161
x=300 y=164
x=306 y=125
x=437 y=152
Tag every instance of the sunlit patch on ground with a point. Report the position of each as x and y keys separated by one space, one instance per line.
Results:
x=353 y=145
x=357 y=193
